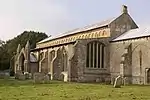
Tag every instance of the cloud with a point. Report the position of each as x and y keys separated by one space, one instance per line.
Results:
x=38 y=15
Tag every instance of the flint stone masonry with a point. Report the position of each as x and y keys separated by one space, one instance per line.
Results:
x=91 y=74
x=93 y=54
x=41 y=78
x=137 y=73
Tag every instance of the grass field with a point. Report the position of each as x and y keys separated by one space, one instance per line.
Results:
x=26 y=90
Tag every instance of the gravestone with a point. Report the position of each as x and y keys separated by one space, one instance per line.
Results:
x=118 y=82
x=26 y=75
x=19 y=75
x=40 y=78
x=46 y=79
x=30 y=75
x=50 y=75
x=65 y=76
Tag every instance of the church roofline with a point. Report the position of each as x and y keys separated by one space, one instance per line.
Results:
x=133 y=34
x=101 y=24
x=80 y=30
x=130 y=39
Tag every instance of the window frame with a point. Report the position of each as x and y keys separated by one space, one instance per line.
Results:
x=88 y=65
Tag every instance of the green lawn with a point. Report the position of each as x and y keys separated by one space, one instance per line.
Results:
x=26 y=90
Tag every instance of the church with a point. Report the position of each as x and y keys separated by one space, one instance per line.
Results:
x=94 y=53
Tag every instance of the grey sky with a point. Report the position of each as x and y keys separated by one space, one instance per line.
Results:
x=58 y=16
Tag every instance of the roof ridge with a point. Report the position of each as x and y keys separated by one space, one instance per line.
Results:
x=85 y=28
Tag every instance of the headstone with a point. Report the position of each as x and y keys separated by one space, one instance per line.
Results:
x=50 y=75
x=26 y=75
x=118 y=82
x=65 y=74
x=30 y=75
x=21 y=77
x=46 y=79
x=40 y=78
x=17 y=74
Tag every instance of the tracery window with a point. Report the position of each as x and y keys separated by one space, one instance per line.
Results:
x=95 y=55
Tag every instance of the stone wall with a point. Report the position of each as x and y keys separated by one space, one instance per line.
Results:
x=91 y=74
x=44 y=62
x=58 y=60
x=121 y=24
x=57 y=68
x=139 y=59
x=76 y=62
x=34 y=67
x=73 y=64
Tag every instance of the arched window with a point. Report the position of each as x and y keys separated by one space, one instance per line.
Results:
x=95 y=55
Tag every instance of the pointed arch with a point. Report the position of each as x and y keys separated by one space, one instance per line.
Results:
x=21 y=59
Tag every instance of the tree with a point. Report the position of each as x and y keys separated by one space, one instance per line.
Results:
x=1 y=43
x=8 y=48
x=4 y=56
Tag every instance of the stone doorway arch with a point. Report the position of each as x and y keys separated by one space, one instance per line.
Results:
x=22 y=60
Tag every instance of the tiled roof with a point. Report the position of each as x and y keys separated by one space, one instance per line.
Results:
x=86 y=28
x=134 y=33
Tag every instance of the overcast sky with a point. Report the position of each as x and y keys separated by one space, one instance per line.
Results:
x=58 y=16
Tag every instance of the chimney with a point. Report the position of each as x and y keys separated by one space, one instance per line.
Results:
x=124 y=9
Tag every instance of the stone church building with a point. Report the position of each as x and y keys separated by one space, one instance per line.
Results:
x=94 y=53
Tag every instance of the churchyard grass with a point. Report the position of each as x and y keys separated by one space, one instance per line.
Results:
x=26 y=90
